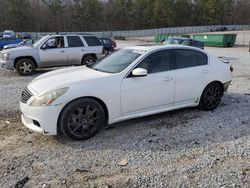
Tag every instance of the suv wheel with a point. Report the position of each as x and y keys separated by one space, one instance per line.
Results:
x=211 y=96
x=25 y=67
x=82 y=119
x=88 y=60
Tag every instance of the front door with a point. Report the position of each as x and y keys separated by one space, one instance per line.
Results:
x=152 y=92
x=53 y=52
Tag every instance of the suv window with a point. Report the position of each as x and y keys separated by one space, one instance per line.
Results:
x=106 y=41
x=92 y=41
x=157 y=62
x=74 y=41
x=54 y=42
x=189 y=58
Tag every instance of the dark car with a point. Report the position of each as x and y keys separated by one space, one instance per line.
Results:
x=108 y=45
x=26 y=36
x=185 y=41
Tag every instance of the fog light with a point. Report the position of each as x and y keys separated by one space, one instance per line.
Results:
x=36 y=123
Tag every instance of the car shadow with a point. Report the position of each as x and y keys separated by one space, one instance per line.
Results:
x=176 y=130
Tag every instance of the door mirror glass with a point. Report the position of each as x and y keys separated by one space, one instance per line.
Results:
x=139 y=72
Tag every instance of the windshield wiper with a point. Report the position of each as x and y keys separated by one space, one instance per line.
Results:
x=101 y=70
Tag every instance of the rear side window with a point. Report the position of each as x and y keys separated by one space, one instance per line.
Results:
x=106 y=41
x=74 y=41
x=189 y=58
x=92 y=41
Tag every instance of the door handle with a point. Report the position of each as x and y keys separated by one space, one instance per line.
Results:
x=167 y=78
x=83 y=50
x=62 y=51
x=204 y=71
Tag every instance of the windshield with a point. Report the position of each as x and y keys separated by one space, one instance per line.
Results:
x=117 y=61
x=37 y=43
x=174 y=41
x=7 y=33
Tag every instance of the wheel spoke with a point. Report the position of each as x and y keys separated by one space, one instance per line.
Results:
x=76 y=128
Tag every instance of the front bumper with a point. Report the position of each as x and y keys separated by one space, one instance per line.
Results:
x=41 y=119
x=7 y=64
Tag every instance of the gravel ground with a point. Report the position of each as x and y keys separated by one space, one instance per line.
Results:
x=183 y=148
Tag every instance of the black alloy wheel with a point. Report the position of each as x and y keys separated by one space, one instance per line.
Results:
x=82 y=119
x=211 y=96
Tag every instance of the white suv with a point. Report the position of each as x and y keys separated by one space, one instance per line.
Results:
x=9 y=34
x=52 y=51
x=130 y=83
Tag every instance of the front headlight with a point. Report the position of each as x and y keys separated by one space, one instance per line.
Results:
x=6 y=56
x=48 y=98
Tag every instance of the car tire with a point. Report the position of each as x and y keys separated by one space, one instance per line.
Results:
x=211 y=96
x=106 y=52
x=82 y=119
x=88 y=60
x=25 y=67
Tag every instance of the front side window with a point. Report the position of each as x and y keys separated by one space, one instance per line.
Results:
x=92 y=41
x=74 y=41
x=189 y=58
x=54 y=42
x=158 y=62
x=117 y=61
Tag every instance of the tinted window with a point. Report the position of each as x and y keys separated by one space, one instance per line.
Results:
x=106 y=41
x=202 y=58
x=74 y=41
x=197 y=44
x=92 y=41
x=157 y=62
x=189 y=58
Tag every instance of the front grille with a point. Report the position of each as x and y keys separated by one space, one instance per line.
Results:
x=26 y=94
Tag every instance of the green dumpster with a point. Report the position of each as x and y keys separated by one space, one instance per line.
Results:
x=217 y=40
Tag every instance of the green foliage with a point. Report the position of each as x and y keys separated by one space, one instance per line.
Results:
x=88 y=14
x=17 y=13
x=95 y=15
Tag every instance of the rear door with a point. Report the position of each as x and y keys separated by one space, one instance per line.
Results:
x=192 y=70
x=53 y=52
x=76 y=50
x=94 y=45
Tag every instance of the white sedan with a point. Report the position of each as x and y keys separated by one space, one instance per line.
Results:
x=130 y=83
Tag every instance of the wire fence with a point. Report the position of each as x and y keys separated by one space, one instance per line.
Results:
x=153 y=32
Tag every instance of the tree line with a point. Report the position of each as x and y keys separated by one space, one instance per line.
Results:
x=101 y=15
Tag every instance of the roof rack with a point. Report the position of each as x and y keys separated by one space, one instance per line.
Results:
x=59 y=33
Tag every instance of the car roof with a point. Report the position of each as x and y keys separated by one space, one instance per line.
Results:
x=148 y=48
x=183 y=38
x=60 y=35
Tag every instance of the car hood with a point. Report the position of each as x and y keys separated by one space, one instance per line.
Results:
x=21 y=48
x=64 y=78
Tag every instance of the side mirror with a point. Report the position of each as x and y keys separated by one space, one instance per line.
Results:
x=44 y=47
x=139 y=72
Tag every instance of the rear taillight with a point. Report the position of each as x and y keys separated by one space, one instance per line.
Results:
x=231 y=68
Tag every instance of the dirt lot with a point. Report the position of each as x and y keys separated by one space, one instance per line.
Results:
x=184 y=148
